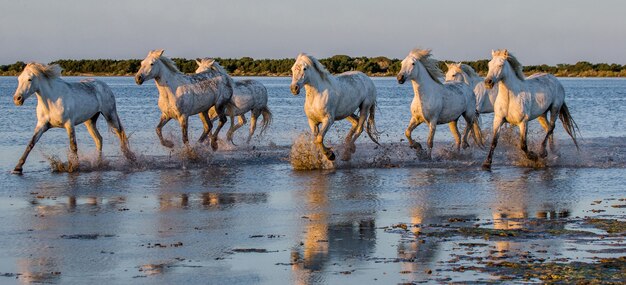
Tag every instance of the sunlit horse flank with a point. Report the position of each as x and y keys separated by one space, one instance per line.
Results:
x=248 y=96
x=181 y=95
x=330 y=98
x=437 y=103
x=64 y=105
x=521 y=100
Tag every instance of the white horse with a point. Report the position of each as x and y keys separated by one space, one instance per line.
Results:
x=330 y=98
x=437 y=103
x=485 y=97
x=248 y=96
x=181 y=96
x=522 y=100
x=64 y=105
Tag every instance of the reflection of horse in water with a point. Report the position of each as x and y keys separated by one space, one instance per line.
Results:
x=207 y=200
x=514 y=204
x=325 y=240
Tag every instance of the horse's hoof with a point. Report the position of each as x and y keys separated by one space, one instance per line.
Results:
x=465 y=145
x=417 y=146
x=544 y=154
x=346 y=156
x=487 y=165
x=17 y=171
x=331 y=156
x=531 y=155
x=214 y=145
x=167 y=144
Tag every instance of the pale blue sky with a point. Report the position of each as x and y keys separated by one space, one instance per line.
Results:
x=537 y=31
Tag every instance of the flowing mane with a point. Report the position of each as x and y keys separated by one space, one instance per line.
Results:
x=312 y=61
x=468 y=70
x=210 y=63
x=166 y=61
x=49 y=71
x=431 y=64
x=515 y=64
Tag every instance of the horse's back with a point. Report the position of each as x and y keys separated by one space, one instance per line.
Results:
x=359 y=81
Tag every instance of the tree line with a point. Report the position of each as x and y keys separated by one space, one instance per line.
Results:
x=247 y=66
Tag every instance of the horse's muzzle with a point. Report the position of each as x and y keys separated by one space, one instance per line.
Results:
x=139 y=79
x=18 y=100
x=401 y=79
x=295 y=89
x=489 y=83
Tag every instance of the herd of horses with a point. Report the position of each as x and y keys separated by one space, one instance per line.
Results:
x=213 y=95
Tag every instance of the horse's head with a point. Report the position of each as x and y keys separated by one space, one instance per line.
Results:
x=409 y=69
x=150 y=67
x=205 y=64
x=29 y=80
x=299 y=74
x=455 y=73
x=496 y=67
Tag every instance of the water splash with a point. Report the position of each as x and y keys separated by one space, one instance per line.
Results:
x=305 y=155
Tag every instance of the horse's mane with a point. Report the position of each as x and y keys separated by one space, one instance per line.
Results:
x=49 y=71
x=166 y=61
x=211 y=64
x=468 y=70
x=312 y=61
x=515 y=64
x=431 y=64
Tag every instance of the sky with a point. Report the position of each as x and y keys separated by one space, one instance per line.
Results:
x=536 y=31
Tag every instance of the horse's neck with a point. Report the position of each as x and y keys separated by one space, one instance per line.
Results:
x=50 y=90
x=510 y=83
x=169 y=81
x=473 y=80
x=425 y=86
x=317 y=85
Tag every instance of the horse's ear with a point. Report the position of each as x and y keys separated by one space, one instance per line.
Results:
x=198 y=61
x=506 y=53
x=493 y=53
x=159 y=52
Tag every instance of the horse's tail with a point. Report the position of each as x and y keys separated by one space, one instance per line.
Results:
x=477 y=134
x=568 y=123
x=371 y=130
x=267 y=119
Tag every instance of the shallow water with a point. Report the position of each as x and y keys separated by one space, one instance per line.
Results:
x=243 y=215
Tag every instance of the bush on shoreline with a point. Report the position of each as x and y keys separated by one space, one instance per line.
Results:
x=246 y=66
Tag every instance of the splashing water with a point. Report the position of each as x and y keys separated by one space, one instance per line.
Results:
x=305 y=155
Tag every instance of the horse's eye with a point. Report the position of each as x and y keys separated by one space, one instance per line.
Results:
x=30 y=79
x=413 y=64
x=304 y=68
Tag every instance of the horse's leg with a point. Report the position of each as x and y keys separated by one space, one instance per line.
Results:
x=457 y=136
x=207 y=124
x=432 y=125
x=93 y=131
x=183 y=120
x=221 y=123
x=319 y=140
x=468 y=124
x=72 y=158
x=523 y=133
x=497 y=123
x=314 y=127
x=543 y=121
x=549 y=134
x=114 y=121
x=159 y=128
x=412 y=125
x=253 y=118
x=241 y=120
x=39 y=130
x=349 y=142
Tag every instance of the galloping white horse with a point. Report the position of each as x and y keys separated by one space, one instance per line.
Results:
x=248 y=96
x=64 y=105
x=181 y=96
x=437 y=103
x=465 y=73
x=330 y=98
x=522 y=100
